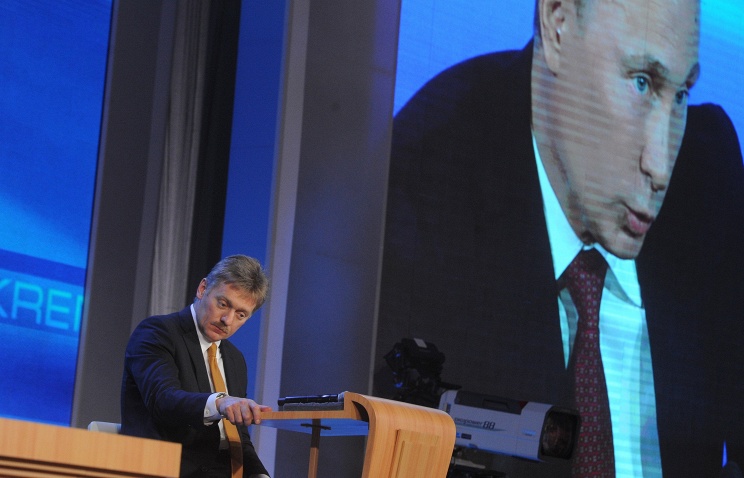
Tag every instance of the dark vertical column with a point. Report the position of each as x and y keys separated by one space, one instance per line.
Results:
x=126 y=200
x=338 y=227
x=214 y=156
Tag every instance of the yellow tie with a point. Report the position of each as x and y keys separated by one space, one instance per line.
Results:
x=236 y=449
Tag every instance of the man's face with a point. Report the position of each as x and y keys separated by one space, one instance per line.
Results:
x=222 y=310
x=618 y=114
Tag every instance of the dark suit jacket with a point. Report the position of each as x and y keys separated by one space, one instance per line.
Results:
x=165 y=388
x=467 y=262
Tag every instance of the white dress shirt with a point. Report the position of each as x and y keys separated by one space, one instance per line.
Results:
x=624 y=343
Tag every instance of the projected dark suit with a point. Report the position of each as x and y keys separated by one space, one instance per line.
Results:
x=165 y=379
x=467 y=262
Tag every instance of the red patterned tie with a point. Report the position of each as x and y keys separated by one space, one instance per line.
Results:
x=595 y=455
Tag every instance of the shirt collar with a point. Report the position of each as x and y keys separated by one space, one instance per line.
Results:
x=565 y=244
x=202 y=341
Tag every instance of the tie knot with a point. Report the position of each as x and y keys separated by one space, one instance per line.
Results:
x=584 y=279
x=212 y=351
x=588 y=265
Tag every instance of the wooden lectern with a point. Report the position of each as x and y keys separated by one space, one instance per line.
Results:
x=36 y=450
x=403 y=440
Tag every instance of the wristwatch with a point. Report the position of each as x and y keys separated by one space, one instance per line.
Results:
x=217 y=397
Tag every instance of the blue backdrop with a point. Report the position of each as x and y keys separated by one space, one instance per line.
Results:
x=54 y=60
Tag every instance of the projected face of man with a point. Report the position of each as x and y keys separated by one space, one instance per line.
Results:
x=610 y=88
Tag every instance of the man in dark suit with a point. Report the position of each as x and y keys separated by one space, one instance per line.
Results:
x=167 y=388
x=589 y=120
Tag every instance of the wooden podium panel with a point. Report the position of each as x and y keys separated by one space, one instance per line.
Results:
x=30 y=449
x=403 y=440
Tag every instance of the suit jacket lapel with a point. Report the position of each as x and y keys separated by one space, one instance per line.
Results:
x=191 y=340
x=229 y=367
x=519 y=204
x=235 y=383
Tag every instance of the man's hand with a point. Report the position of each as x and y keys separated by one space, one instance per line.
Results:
x=240 y=411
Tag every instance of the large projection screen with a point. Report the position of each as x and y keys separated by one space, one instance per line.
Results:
x=475 y=240
x=54 y=63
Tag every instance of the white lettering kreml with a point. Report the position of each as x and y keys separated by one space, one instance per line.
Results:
x=40 y=305
x=3 y=283
x=25 y=301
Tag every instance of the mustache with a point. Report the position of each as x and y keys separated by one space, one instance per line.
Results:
x=220 y=326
